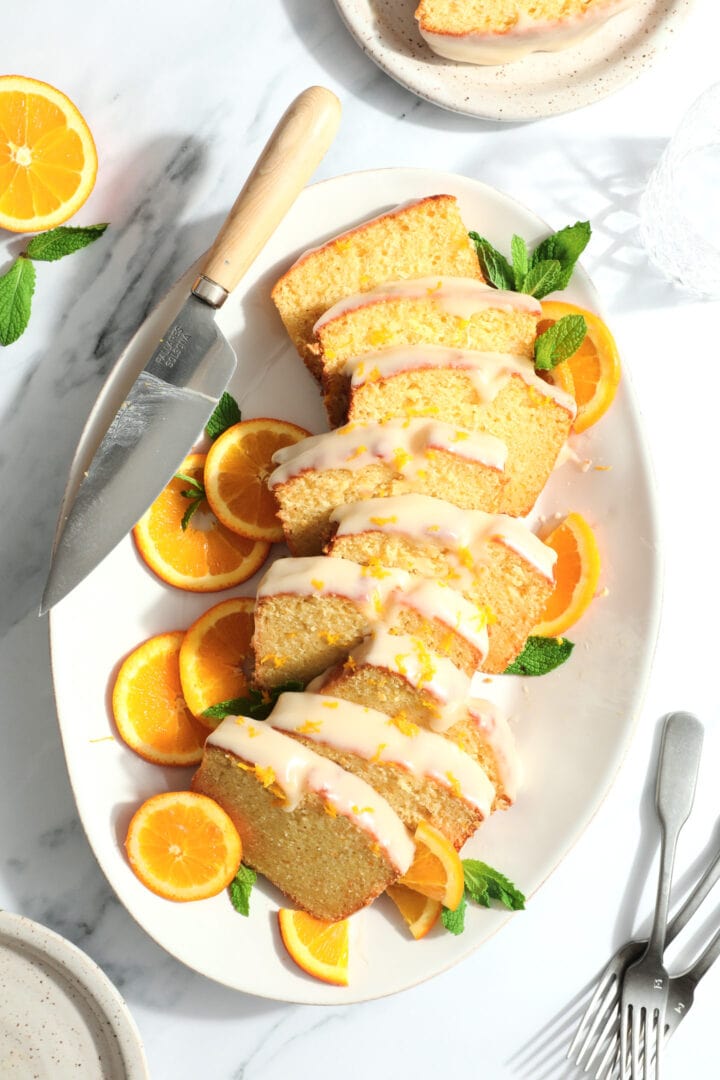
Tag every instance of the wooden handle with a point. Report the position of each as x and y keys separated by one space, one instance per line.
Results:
x=293 y=152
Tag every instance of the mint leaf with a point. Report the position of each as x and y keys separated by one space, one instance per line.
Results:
x=226 y=414
x=495 y=267
x=540 y=655
x=53 y=245
x=559 y=341
x=258 y=704
x=16 y=292
x=542 y=278
x=483 y=884
x=454 y=921
x=520 y=259
x=566 y=246
x=241 y=887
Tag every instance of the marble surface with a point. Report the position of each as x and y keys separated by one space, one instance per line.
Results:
x=180 y=102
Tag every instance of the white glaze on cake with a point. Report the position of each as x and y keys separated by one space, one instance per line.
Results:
x=527 y=35
x=464 y=533
x=435 y=600
x=446 y=686
x=495 y=730
x=460 y=297
x=405 y=446
x=380 y=592
x=487 y=371
x=296 y=771
x=319 y=575
x=355 y=729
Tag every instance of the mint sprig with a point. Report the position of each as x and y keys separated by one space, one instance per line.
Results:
x=17 y=285
x=195 y=493
x=483 y=884
x=66 y=239
x=547 y=269
x=566 y=246
x=226 y=414
x=257 y=704
x=240 y=888
x=540 y=655
x=16 y=292
x=559 y=341
x=454 y=921
x=495 y=267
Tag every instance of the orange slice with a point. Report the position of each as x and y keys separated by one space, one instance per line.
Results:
x=320 y=948
x=419 y=912
x=436 y=870
x=204 y=557
x=183 y=846
x=149 y=708
x=213 y=656
x=592 y=374
x=48 y=161
x=577 y=572
x=236 y=473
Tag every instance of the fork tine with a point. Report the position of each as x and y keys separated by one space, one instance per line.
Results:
x=592 y=1010
x=636 y=1024
x=603 y=1004
x=624 y=1021
x=659 y=1026
x=611 y=1055
x=607 y=1038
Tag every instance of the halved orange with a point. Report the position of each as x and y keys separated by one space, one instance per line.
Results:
x=436 y=870
x=320 y=948
x=577 y=572
x=214 y=655
x=419 y=912
x=48 y=161
x=204 y=557
x=149 y=708
x=238 y=465
x=592 y=374
x=183 y=846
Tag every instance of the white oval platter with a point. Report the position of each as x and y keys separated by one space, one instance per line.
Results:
x=572 y=725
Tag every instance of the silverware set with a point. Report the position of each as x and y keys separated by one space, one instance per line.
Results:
x=636 y=1005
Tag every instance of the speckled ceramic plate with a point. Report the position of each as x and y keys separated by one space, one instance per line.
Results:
x=60 y=1016
x=572 y=726
x=542 y=84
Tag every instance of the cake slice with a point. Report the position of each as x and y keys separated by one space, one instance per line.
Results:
x=460 y=313
x=425 y=236
x=361 y=461
x=484 y=733
x=488 y=32
x=493 y=559
x=311 y=612
x=323 y=836
x=397 y=674
x=495 y=393
x=421 y=775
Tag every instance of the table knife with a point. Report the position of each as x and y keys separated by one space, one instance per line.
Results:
x=150 y=410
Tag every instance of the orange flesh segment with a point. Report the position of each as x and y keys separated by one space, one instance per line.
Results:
x=214 y=655
x=577 y=573
x=320 y=948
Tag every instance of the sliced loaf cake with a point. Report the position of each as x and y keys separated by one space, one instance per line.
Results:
x=363 y=461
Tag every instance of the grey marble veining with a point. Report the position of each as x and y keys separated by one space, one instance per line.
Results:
x=180 y=100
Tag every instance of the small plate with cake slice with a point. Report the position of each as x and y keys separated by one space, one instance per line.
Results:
x=414 y=573
x=513 y=61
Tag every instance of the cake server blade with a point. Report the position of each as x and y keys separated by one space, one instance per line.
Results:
x=166 y=384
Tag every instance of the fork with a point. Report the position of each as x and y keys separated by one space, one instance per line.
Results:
x=645 y=983
x=599 y=1026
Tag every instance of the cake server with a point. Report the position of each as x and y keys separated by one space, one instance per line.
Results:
x=168 y=380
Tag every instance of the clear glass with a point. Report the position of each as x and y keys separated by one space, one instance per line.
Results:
x=680 y=207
